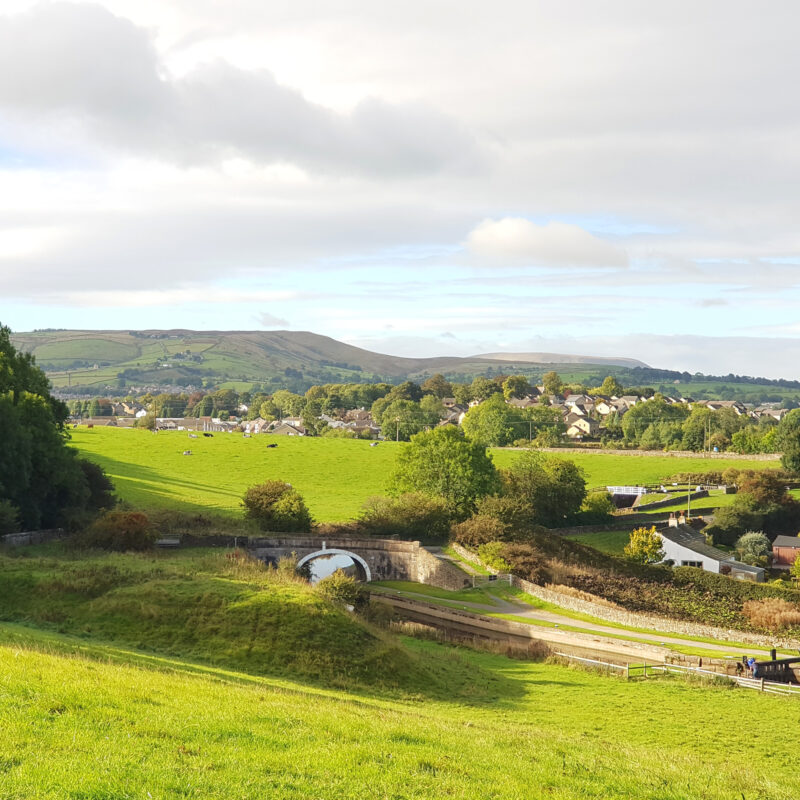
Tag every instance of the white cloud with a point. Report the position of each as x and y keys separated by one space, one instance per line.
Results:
x=513 y=241
x=68 y=65
x=267 y=320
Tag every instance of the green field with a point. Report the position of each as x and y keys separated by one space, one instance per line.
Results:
x=334 y=476
x=612 y=542
x=164 y=676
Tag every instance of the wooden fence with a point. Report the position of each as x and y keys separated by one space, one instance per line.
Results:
x=646 y=670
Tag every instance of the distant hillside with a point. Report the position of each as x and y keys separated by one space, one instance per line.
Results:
x=561 y=358
x=109 y=362
x=288 y=358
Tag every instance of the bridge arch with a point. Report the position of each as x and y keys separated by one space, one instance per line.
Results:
x=335 y=551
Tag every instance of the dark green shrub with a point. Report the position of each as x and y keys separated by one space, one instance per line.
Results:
x=275 y=506
x=479 y=530
x=119 y=530
x=413 y=516
x=9 y=517
x=342 y=589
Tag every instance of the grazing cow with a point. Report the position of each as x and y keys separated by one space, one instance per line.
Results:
x=274 y=444
x=192 y=436
x=90 y=425
x=374 y=444
x=187 y=452
x=208 y=435
x=246 y=435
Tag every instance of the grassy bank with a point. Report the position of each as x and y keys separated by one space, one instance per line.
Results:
x=335 y=476
x=81 y=726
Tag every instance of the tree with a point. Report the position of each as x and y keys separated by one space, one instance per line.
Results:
x=753 y=548
x=644 y=546
x=610 y=387
x=492 y=422
x=276 y=506
x=438 y=386
x=516 y=386
x=483 y=388
x=554 y=487
x=788 y=440
x=40 y=477
x=410 y=516
x=552 y=383
x=443 y=463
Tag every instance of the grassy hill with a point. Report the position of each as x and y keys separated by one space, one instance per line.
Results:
x=115 y=698
x=295 y=358
x=334 y=476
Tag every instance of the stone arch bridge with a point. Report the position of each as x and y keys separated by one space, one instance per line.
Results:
x=378 y=559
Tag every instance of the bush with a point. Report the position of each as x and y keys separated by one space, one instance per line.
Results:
x=491 y=554
x=773 y=613
x=753 y=548
x=275 y=506
x=413 y=515
x=644 y=546
x=342 y=589
x=514 y=512
x=9 y=517
x=479 y=530
x=119 y=530
x=597 y=509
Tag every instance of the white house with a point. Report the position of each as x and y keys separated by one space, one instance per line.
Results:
x=686 y=547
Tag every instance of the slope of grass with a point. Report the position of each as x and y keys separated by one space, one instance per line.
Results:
x=334 y=476
x=207 y=607
x=81 y=726
x=612 y=542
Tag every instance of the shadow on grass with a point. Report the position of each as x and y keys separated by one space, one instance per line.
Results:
x=483 y=679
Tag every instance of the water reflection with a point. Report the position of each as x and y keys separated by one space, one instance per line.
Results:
x=323 y=566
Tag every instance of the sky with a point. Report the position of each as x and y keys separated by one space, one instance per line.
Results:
x=417 y=178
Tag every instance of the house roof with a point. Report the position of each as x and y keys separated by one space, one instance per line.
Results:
x=693 y=540
x=786 y=541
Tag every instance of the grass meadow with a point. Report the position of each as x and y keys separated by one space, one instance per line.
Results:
x=165 y=676
x=335 y=476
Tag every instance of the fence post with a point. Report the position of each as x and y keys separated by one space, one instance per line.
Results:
x=762 y=684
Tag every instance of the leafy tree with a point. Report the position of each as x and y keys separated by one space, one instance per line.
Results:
x=552 y=383
x=553 y=487
x=516 y=386
x=276 y=506
x=492 y=422
x=438 y=386
x=479 y=529
x=410 y=516
x=788 y=440
x=288 y=403
x=644 y=546
x=39 y=475
x=483 y=388
x=610 y=387
x=753 y=548
x=401 y=419
x=443 y=463
x=597 y=508
x=408 y=390
x=9 y=518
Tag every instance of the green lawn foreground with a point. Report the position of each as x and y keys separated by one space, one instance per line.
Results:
x=335 y=476
x=81 y=726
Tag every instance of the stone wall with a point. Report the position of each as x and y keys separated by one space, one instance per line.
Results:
x=440 y=572
x=388 y=559
x=638 y=620
x=635 y=619
x=31 y=537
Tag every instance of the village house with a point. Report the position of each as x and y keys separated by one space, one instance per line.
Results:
x=580 y=427
x=784 y=551
x=686 y=547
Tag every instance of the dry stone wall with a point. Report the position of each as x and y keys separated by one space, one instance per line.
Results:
x=635 y=619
